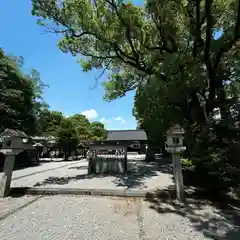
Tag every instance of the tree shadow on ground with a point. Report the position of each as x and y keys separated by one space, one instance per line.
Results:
x=65 y=180
x=138 y=172
x=216 y=220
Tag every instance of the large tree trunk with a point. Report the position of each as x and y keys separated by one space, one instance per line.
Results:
x=69 y=152
x=150 y=156
x=66 y=154
x=196 y=111
x=223 y=103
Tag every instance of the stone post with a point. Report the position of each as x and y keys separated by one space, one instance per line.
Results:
x=177 y=169
x=5 y=181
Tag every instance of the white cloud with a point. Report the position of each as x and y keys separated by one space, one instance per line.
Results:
x=119 y=119
x=104 y=120
x=91 y=114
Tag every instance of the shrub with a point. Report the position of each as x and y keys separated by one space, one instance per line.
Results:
x=188 y=171
x=214 y=164
x=186 y=162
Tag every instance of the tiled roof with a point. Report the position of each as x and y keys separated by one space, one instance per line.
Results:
x=127 y=135
x=12 y=132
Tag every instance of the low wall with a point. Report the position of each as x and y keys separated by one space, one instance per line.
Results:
x=107 y=165
x=110 y=163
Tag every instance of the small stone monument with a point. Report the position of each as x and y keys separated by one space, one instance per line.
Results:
x=174 y=145
x=13 y=144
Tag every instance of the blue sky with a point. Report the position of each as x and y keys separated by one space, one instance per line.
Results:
x=69 y=88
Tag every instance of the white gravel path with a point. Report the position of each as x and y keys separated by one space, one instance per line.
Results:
x=9 y=205
x=74 y=175
x=46 y=166
x=102 y=218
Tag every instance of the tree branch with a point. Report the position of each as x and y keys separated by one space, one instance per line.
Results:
x=130 y=61
x=98 y=57
x=133 y=87
x=126 y=58
x=207 y=59
x=198 y=39
x=202 y=20
x=52 y=30
x=59 y=20
x=227 y=46
x=208 y=12
x=101 y=74
x=162 y=35
x=127 y=28
x=196 y=23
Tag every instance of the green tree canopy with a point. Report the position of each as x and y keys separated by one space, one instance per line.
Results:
x=19 y=94
x=86 y=130
x=97 y=131
x=171 y=42
x=81 y=124
x=49 y=122
x=67 y=136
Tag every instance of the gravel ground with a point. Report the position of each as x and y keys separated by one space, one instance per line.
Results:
x=74 y=175
x=9 y=205
x=46 y=166
x=102 y=218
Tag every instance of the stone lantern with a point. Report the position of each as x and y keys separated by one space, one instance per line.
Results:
x=174 y=145
x=12 y=144
x=175 y=136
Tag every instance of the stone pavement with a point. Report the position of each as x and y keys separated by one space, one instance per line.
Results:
x=105 y=218
x=73 y=174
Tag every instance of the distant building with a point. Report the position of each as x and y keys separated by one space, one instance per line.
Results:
x=137 y=138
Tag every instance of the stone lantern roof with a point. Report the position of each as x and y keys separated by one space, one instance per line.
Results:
x=175 y=130
x=13 y=133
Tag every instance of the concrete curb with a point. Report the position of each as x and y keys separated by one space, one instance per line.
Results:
x=162 y=194
x=77 y=191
